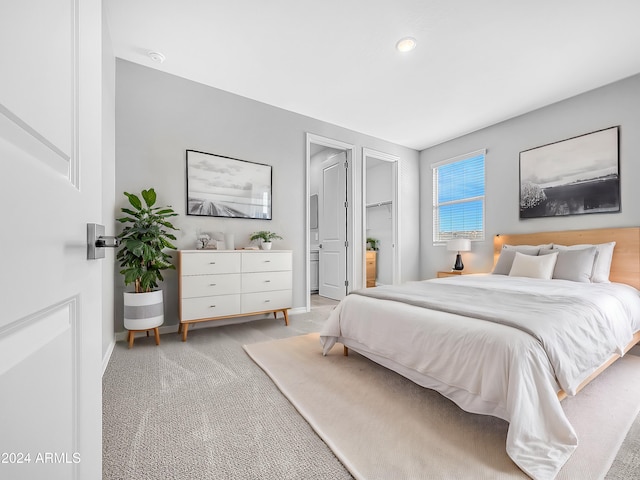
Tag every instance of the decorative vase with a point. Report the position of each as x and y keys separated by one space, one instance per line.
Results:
x=229 y=241
x=266 y=245
x=143 y=311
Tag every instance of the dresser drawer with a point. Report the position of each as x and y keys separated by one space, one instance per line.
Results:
x=261 y=301
x=206 y=285
x=205 y=263
x=207 y=307
x=265 y=262
x=266 y=281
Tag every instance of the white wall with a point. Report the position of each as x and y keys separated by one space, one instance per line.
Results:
x=108 y=186
x=611 y=105
x=159 y=116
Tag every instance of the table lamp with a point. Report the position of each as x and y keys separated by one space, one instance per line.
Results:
x=459 y=245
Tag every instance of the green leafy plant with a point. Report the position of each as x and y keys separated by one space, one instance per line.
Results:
x=372 y=244
x=265 y=236
x=143 y=241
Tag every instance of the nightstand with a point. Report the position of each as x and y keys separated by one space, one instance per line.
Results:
x=371 y=268
x=451 y=273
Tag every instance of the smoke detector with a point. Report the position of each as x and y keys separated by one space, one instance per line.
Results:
x=157 y=57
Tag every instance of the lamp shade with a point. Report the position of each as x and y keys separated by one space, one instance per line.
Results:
x=459 y=245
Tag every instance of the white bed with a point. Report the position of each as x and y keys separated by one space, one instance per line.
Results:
x=549 y=336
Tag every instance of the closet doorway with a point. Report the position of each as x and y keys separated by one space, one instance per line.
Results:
x=329 y=224
x=380 y=218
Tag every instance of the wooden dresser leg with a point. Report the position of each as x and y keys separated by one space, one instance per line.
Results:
x=185 y=329
x=345 y=350
x=286 y=317
x=180 y=327
x=157 y=332
x=130 y=338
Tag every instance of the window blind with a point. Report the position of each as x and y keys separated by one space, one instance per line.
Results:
x=458 y=197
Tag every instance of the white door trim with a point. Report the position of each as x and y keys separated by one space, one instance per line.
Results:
x=395 y=160
x=353 y=260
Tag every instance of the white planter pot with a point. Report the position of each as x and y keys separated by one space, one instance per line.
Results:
x=143 y=311
x=266 y=245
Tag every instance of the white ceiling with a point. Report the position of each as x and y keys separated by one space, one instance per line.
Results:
x=477 y=62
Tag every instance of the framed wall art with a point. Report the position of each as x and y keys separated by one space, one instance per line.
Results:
x=571 y=177
x=219 y=186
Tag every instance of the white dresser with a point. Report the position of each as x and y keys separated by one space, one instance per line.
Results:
x=224 y=284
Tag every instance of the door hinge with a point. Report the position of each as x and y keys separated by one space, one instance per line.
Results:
x=346 y=164
x=346 y=283
x=346 y=204
x=346 y=243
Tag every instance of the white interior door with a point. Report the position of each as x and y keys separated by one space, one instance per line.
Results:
x=50 y=163
x=332 y=221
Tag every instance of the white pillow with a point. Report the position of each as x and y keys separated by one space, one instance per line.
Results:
x=507 y=254
x=575 y=264
x=602 y=263
x=534 y=267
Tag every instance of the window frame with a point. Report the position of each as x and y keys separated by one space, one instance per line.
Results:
x=437 y=238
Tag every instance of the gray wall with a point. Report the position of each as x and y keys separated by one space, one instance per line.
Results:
x=615 y=104
x=159 y=116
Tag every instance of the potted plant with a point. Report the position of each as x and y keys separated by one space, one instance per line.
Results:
x=265 y=238
x=372 y=244
x=142 y=256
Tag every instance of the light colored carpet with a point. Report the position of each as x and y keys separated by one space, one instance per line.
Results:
x=382 y=426
x=203 y=410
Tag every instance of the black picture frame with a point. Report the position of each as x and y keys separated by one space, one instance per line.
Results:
x=219 y=186
x=579 y=175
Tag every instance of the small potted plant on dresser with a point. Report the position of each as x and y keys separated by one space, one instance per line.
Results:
x=146 y=236
x=266 y=238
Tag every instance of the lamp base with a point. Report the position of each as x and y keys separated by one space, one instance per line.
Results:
x=458 y=266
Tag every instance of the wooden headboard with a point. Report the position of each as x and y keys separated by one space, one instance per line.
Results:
x=625 y=266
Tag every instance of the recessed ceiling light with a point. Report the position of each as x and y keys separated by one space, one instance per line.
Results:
x=157 y=57
x=406 y=44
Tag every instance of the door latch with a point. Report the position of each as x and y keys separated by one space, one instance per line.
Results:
x=97 y=241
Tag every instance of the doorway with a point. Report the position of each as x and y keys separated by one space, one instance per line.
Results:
x=380 y=218
x=330 y=229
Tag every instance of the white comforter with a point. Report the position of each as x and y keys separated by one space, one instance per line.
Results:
x=489 y=368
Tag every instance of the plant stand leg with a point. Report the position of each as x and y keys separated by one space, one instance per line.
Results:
x=157 y=333
x=184 y=332
x=131 y=336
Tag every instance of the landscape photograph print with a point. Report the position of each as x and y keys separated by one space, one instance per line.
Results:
x=219 y=186
x=572 y=177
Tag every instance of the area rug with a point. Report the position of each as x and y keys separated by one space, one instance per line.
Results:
x=382 y=426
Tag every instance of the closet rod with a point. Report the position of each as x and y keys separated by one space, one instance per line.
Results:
x=379 y=204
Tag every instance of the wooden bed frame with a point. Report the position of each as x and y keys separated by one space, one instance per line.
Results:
x=625 y=265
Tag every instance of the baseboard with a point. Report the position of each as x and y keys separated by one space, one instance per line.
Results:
x=107 y=355
x=293 y=311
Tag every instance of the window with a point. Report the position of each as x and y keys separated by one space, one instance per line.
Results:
x=458 y=197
